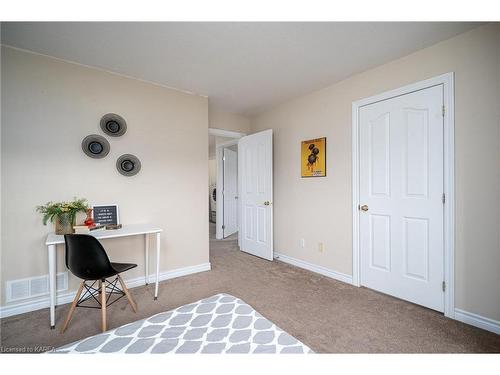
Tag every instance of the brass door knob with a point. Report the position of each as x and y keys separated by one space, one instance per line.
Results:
x=363 y=207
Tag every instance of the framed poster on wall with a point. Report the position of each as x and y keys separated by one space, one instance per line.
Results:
x=313 y=158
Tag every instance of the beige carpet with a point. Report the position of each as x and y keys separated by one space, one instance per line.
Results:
x=327 y=315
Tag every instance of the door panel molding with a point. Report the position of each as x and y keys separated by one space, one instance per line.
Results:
x=255 y=173
x=447 y=80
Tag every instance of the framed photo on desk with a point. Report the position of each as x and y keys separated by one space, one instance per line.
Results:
x=106 y=214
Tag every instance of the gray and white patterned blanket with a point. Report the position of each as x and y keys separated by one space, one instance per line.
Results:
x=218 y=324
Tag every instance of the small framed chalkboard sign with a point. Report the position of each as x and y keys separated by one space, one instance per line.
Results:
x=106 y=214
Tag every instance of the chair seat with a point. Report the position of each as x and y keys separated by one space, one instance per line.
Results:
x=122 y=267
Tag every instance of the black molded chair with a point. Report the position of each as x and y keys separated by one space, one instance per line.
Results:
x=87 y=260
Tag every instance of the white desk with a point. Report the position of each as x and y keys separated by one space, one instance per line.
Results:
x=127 y=230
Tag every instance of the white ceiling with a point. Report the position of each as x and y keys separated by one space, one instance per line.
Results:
x=242 y=67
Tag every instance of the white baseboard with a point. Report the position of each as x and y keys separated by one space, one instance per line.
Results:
x=314 y=268
x=67 y=297
x=478 y=321
x=172 y=274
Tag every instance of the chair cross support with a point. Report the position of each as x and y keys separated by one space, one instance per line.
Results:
x=101 y=302
x=92 y=293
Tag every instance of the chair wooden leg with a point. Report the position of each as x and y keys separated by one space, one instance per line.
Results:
x=73 y=307
x=103 y=305
x=127 y=293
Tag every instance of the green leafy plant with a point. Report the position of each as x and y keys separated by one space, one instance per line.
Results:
x=51 y=210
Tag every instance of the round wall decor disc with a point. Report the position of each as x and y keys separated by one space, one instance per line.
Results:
x=95 y=146
x=128 y=165
x=113 y=125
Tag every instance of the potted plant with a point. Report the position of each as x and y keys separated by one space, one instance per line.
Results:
x=63 y=214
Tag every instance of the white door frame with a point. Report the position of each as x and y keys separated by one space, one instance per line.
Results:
x=447 y=80
x=219 y=233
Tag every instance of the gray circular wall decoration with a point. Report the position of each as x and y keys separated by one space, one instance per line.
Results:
x=95 y=146
x=113 y=125
x=128 y=165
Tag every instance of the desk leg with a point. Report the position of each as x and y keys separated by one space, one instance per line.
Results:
x=52 y=284
x=146 y=257
x=157 y=264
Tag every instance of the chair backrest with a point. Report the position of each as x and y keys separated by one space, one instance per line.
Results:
x=86 y=258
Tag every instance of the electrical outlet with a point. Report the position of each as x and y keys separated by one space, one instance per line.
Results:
x=302 y=242
x=321 y=247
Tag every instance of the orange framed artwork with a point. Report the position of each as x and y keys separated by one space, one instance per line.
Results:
x=313 y=158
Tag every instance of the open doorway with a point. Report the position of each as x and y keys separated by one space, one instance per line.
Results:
x=241 y=190
x=223 y=211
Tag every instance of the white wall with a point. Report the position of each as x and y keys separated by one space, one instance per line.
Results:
x=319 y=209
x=228 y=121
x=48 y=107
x=213 y=142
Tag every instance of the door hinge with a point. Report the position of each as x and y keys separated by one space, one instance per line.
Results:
x=443 y=110
x=444 y=286
x=443 y=198
x=223 y=227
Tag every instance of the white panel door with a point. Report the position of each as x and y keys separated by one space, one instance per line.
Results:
x=401 y=192
x=230 y=192
x=255 y=166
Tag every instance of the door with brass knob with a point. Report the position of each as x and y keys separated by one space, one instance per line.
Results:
x=401 y=236
x=255 y=173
